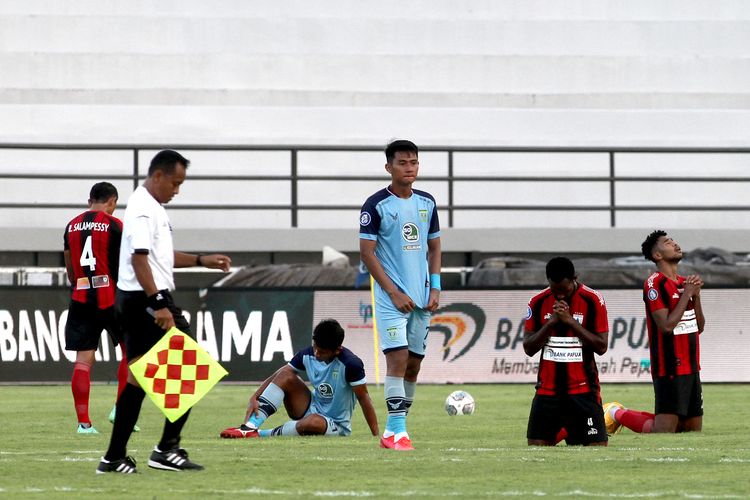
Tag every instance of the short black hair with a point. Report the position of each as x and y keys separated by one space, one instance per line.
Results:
x=400 y=145
x=647 y=247
x=101 y=192
x=328 y=334
x=167 y=161
x=560 y=268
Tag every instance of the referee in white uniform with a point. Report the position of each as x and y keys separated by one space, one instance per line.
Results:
x=144 y=306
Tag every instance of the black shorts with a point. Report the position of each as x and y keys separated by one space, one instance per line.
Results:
x=580 y=414
x=85 y=324
x=139 y=329
x=680 y=395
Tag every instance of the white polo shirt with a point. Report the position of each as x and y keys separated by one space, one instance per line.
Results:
x=146 y=227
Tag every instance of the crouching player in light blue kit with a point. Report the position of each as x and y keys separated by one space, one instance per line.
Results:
x=399 y=242
x=337 y=376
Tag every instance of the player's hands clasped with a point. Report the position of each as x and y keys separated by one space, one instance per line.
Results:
x=561 y=311
x=693 y=285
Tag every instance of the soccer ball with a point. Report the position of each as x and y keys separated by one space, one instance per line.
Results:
x=459 y=403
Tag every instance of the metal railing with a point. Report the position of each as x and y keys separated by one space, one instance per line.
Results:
x=449 y=205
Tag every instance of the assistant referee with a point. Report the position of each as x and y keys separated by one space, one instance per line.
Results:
x=144 y=306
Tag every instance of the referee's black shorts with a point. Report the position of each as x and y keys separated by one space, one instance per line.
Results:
x=85 y=324
x=140 y=330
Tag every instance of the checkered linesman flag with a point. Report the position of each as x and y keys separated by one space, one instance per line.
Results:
x=176 y=373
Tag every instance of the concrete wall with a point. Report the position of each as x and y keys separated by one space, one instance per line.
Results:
x=486 y=73
x=511 y=72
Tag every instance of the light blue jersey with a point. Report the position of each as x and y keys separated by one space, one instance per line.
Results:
x=401 y=228
x=332 y=384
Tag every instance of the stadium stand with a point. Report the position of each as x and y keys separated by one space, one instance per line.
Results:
x=476 y=76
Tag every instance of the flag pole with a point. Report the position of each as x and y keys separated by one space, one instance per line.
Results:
x=375 y=350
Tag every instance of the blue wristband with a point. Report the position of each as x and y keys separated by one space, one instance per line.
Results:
x=435 y=281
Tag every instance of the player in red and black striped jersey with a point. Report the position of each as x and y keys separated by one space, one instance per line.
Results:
x=674 y=317
x=92 y=250
x=567 y=322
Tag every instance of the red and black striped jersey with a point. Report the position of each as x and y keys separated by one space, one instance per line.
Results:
x=567 y=366
x=93 y=239
x=676 y=352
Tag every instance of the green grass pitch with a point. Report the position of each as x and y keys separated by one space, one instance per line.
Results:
x=479 y=456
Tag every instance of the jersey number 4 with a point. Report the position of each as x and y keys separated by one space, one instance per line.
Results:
x=87 y=255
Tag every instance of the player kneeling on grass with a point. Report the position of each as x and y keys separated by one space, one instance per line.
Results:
x=337 y=376
x=567 y=322
x=675 y=321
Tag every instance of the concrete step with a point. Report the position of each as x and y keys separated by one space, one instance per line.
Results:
x=152 y=124
x=365 y=73
x=134 y=34
x=393 y=9
x=358 y=99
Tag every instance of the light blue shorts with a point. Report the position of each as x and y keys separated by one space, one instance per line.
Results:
x=397 y=330
x=334 y=428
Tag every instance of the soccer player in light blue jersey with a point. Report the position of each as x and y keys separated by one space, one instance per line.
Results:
x=399 y=242
x=337 y=376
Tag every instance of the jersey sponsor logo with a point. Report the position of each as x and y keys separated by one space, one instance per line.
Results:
x=325 y=390
x=563 y=350
x=82 y=284
x=101 y=281
x=564 y=342
x=572 y=355
x=410 y=232
x=528 y=313
x=652 y=294
x=688 y=323
x=364 y=219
